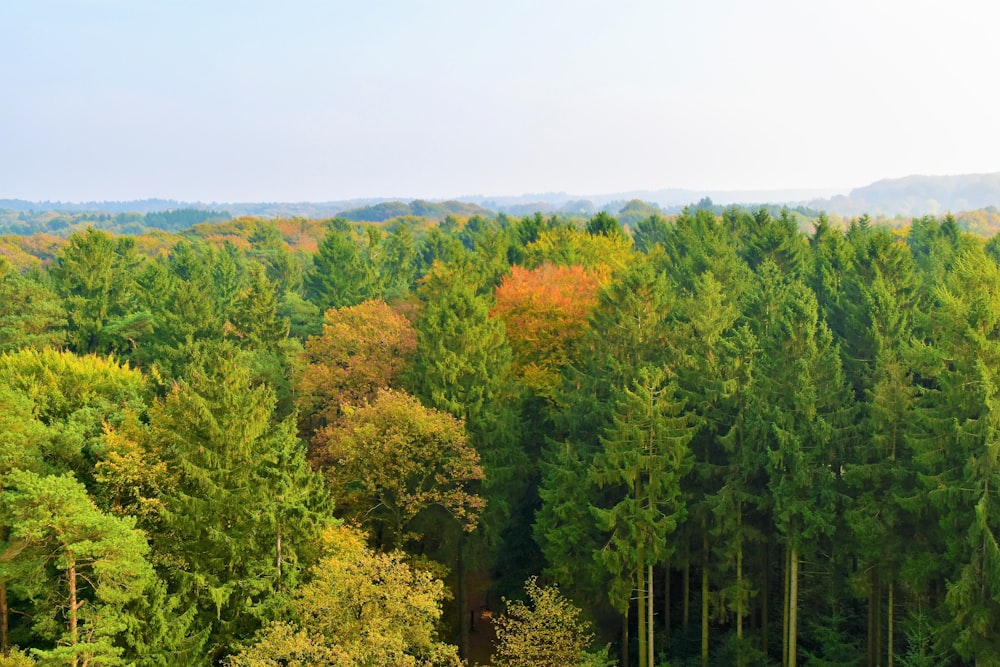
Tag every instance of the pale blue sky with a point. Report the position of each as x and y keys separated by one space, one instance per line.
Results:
x=309 y=100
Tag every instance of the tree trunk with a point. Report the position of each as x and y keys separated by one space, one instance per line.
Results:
x=463 y=602
x=704 y=603
x=649 y=600
x=764 y=609
x=641 y=608
x=74 y=605
x=740 y=661
x=784 y=615
x=277 y=558
x=3 y=620
x=686 y=613
x=793 y=607
x=890 y=657
x=666 y=606
x=872 y=650
x=624 y=651
x=878 y=619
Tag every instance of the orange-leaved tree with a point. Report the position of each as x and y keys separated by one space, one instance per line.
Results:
x=362 y=349
x=545 y=310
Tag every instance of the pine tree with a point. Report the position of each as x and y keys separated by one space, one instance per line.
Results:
x=98 y=566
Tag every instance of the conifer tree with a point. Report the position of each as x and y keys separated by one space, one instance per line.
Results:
x=90 y=566
x=461 y=366
x=959 y=450
x=644 y=455
x=96 y=276
x=800 y=409
x=245 y=507
x=338 y=275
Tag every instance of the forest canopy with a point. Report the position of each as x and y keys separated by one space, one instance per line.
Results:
x=726 y=436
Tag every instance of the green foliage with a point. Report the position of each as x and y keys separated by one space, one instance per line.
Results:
x=85 y=566
x=16 y=658
x=338 y=277
x=71 y=398
x=545 y=631
x=644 y=455
x=245 y=510
x=96 y=276
x=31 y=315
x=842 y=387
x=393 y=458
x=361 y=607
x=566 y=246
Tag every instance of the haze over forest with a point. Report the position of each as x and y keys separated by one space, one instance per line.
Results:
x=454 y=334
x=909 y=196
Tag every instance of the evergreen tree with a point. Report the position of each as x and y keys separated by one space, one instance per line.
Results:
x=461 y=366
x=87 y=566
x=245 y=508
x=960 y=450
x=799 y=410
x=338 y=277
x=96 y=276
x=644 y=455
x=399 y=261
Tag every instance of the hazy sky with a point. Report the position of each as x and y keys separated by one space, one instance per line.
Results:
x=321 y=100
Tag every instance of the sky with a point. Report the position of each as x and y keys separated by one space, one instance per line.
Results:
x=322 y=100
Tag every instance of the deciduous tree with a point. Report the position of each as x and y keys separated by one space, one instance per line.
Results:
x=393 y=458
x=360 y=607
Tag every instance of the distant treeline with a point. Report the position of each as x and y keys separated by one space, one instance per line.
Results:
x=25 y=223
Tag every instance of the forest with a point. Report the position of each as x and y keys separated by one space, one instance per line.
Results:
x=714 y=438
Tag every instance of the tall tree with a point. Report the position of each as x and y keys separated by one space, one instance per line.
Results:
x=959 y=449
x=800 y=409
x=338 y=275
x=462 y=366
x=362 y=349
x=245 y=508
x=643 y=458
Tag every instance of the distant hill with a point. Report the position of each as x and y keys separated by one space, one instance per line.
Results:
x=261 y=209
x=420 y=208
x=888 y=198
x=65 y=222
x=917 y=195
x=668 y=199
